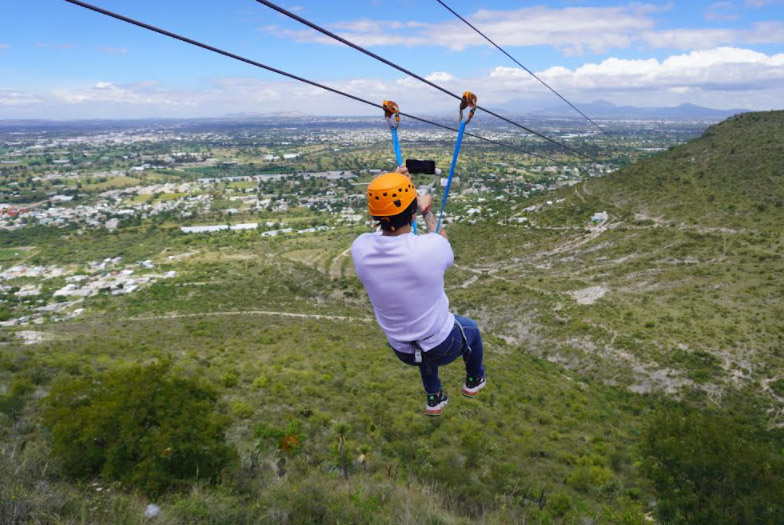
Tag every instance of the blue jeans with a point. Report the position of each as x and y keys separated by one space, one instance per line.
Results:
x=449 y=350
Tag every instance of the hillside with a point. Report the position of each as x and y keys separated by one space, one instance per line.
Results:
x=732 y=177
x=677 y=290
x=597 y=337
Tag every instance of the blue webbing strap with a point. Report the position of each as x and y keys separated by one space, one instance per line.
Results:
x=399 y=158
x=451 y=171
x=396 y=145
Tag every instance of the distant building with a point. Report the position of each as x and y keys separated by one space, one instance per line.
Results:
x=219 y=227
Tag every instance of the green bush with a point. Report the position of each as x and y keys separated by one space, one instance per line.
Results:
x=777 y=387
x=241 y=409
x=230 y=379
x=586 y=477
x=146 y=426
x=559 y=504
x=13 y=402
x=714 y=469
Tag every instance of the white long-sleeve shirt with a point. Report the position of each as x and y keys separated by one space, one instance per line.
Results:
x=404 y=277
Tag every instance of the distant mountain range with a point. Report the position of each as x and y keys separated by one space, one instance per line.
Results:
x=600 y=109
x=607 y=110
x=253 y=115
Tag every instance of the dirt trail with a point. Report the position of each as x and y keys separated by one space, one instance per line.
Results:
x=336 y=268
x=243 y=312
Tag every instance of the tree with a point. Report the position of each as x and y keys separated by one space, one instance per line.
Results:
x=146 y=426
x=713 y=468
x=342 y=428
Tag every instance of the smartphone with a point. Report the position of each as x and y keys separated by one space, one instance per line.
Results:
x=427 y=167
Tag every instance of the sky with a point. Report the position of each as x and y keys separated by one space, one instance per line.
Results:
x=61 y=61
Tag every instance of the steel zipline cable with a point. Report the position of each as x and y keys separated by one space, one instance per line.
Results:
x=288 y=75
x=513 y=59
x=361 y=49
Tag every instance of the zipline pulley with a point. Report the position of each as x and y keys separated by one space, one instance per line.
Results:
x=468 y=101
x=391 y=110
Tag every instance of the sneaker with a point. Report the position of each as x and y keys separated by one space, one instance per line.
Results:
x=473 y=385
x=436 y=402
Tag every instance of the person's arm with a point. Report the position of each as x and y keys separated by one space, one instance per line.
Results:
x=423 y=204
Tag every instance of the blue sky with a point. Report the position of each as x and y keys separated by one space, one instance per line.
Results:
x=58 y=60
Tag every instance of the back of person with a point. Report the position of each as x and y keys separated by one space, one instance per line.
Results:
x=387 y=267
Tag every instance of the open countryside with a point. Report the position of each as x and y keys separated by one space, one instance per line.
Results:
x=184 y=338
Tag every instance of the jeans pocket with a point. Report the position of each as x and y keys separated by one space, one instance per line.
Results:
x=451 y=345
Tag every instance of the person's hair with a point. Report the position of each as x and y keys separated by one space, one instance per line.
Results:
x=395 y=222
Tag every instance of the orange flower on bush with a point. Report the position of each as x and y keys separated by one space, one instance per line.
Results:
x=289 y=443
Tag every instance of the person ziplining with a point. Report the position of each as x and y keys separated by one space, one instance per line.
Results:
x=403 y=275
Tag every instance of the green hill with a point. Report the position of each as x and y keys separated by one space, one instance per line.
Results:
x=680 y=289
x=598 y=339
x=732 y=177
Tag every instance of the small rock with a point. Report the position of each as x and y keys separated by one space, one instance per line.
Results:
x=152 y=510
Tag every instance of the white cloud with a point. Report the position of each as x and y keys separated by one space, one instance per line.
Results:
x=439 y=76
x=760 y=33
x=4 y=46
x=135 y=94
x=719 y=69
x=722 y=11
x=573 y=30
x=18 y=98
x=114 y=50
x=723 y=77
x=61 y=47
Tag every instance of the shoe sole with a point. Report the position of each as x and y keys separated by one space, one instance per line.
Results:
x=436 y=410
x=472 y=392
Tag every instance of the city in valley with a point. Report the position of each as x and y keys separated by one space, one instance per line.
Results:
x=294 y=176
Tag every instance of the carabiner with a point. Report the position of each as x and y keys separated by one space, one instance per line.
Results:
x=468 y=100
x=391 y=109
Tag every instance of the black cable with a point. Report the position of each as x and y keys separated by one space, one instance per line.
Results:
x=410 y=73
x=502 y=50
x=285 y=74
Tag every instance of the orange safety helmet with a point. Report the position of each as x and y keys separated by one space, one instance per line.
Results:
x=390 y=194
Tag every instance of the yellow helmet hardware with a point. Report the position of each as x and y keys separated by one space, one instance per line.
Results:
x=390 y=194
x=468 y=100
x=390 y=109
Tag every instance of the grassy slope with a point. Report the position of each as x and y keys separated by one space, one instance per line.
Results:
x=537 y=430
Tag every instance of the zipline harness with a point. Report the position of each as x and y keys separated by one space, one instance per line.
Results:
x=467 y=101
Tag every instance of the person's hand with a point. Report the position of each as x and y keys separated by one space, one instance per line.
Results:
x=423 y=201
x=403 y=171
